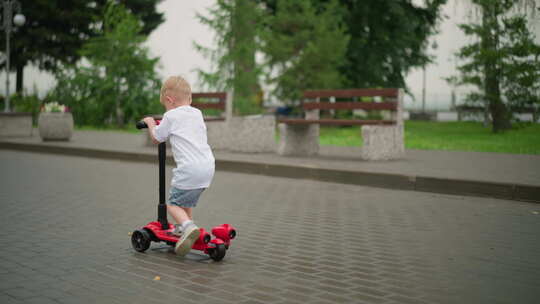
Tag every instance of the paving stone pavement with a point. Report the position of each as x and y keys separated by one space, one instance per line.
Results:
x=66 y=224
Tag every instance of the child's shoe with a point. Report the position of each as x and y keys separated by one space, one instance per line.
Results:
x=189 y=236
x=177 y=231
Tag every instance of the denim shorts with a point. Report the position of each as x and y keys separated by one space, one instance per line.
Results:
x=184 y=198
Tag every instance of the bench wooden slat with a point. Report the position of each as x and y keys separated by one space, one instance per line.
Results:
x=209 y=105
x=220 y=95
x=334 y=122
x=351 y=93
x=350 y=105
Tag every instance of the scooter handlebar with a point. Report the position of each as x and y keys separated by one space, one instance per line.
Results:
x=142 y=125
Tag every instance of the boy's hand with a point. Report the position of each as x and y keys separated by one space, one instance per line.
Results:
x=149 y=121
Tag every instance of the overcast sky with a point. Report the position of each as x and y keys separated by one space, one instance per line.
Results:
x=173 y=40
x=173 y=43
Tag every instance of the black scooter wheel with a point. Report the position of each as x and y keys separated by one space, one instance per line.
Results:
x=218 y=253
x=140 y=240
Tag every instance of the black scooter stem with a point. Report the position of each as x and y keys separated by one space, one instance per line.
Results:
x=161 y=157
x=162 y=208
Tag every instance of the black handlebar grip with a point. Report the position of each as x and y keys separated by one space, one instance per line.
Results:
x=141 y=125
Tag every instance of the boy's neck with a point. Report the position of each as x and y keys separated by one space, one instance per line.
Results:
x=178 y=104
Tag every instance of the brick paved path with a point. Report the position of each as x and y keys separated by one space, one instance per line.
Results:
x=66 y=220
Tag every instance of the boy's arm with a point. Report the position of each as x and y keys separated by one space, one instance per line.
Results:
x=151 y=123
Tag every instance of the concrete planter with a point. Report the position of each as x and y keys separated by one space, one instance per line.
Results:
x=55 y=126
x=15 y=124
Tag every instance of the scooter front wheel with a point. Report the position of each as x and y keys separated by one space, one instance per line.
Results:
x=218 y=253
x=140 y=240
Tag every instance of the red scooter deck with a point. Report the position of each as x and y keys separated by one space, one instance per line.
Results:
x=215 y=247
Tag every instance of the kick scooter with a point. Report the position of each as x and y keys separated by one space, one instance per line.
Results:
x=161 y=230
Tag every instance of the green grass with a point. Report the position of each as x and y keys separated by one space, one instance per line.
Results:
x=452 y=136
x=128 y=129
x=340 y=136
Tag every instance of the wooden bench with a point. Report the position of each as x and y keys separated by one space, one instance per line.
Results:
x=382 y=138
x=214 y=100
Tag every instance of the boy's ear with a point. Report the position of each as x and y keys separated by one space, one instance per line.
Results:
x=169 y=99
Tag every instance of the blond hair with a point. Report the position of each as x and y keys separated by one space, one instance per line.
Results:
x=176 y=86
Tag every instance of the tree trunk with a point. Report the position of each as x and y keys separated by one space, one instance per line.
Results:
x=119 y=113
x=492 y=91
x=119 y=117
x=245 y=84
x=20 y=78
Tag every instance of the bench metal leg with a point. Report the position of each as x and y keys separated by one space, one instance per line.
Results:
x=300 y=140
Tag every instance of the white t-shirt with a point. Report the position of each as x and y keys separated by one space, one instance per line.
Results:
x=195 y=163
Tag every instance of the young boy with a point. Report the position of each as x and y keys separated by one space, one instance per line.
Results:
x=184 y=126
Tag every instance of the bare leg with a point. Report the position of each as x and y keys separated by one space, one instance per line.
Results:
x=189 y=212
x=179 y=214
x=190 y=232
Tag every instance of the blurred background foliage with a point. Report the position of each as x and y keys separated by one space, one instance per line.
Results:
x=117 y=82
x=107 y=77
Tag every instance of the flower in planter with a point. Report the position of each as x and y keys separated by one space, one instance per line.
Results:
x=54 y=107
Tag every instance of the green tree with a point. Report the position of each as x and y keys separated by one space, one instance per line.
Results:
x=56 y=29
x=387 y=38
x=521 y=78
x=118 y=80
x=503 y=63
x=236 y=24
x=304 y=46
